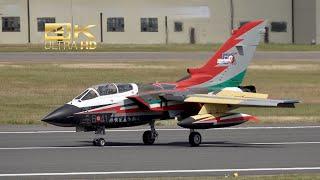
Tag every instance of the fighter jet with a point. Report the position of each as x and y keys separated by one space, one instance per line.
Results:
x=204 y=99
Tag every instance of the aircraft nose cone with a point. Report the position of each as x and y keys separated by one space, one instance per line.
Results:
x=63 y=116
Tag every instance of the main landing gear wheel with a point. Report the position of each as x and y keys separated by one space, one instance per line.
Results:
x=99 y=142
x=148 y=138
x=194 y=139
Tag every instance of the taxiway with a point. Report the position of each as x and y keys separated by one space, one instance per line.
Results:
x=42 y=152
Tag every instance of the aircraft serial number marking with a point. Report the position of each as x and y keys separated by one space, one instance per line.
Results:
x=108 y=118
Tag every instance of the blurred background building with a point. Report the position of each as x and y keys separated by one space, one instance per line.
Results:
x=161 y=21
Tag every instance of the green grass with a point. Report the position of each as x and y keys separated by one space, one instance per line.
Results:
x=158 y=47
x=28 y=91
x=288 y=47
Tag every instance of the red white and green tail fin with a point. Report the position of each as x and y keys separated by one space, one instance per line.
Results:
x=227 y=67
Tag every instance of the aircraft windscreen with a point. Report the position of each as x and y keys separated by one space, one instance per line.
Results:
x=83 y=93
x=90 y=95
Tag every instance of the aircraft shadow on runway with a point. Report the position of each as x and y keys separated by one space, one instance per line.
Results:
x=186 y=144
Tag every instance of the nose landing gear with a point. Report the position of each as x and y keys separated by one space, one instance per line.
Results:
x=99 y=141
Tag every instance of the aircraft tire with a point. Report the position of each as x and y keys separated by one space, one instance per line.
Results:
x=147 y=138
x=94 y=142
x=100 y=142
x=194 y=139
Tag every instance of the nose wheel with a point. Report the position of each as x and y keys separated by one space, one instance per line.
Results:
x=194 y=138
x=99 y=141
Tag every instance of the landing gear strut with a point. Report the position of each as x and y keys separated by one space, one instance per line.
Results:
x=194 y=138
x=99 y=141
x=150 y=136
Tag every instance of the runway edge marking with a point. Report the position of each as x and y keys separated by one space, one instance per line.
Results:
x=161 y=171
x=172 y=129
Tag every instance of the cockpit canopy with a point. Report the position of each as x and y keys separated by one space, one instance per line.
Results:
x=119 y=88
x=103 y=90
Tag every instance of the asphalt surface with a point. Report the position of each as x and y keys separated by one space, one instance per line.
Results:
x=110 y=56
x=248 y=150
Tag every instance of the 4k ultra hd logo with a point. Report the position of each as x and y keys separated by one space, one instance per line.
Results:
x=59 y=36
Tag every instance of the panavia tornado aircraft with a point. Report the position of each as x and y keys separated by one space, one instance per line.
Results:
x=204 y=99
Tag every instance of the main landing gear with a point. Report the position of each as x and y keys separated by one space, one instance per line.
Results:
x=194 y=138
x=99 y=141
x=150 y=136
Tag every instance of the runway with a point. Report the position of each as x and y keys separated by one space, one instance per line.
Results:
x=149 y=56
x=62 y=153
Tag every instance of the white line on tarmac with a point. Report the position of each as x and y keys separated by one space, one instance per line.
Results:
x=275 y=143
x=161 y=171
x=33 y=148
x=134 y=146
x=61 y=147
x=160 y=129
x=33 y=132
x=285 y=143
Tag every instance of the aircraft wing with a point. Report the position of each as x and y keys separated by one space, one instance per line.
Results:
x=172 y=97
x=240 y=101
x=139 y=101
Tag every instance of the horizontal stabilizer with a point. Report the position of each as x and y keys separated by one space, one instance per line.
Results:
x=288 y=103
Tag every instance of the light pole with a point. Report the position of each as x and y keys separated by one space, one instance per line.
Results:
x=231 y=15
x=71 y=12
x=28 y=14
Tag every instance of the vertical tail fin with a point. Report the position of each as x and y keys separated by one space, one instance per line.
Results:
x=227 y=67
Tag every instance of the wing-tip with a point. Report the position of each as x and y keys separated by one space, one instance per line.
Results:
x=288 y=103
